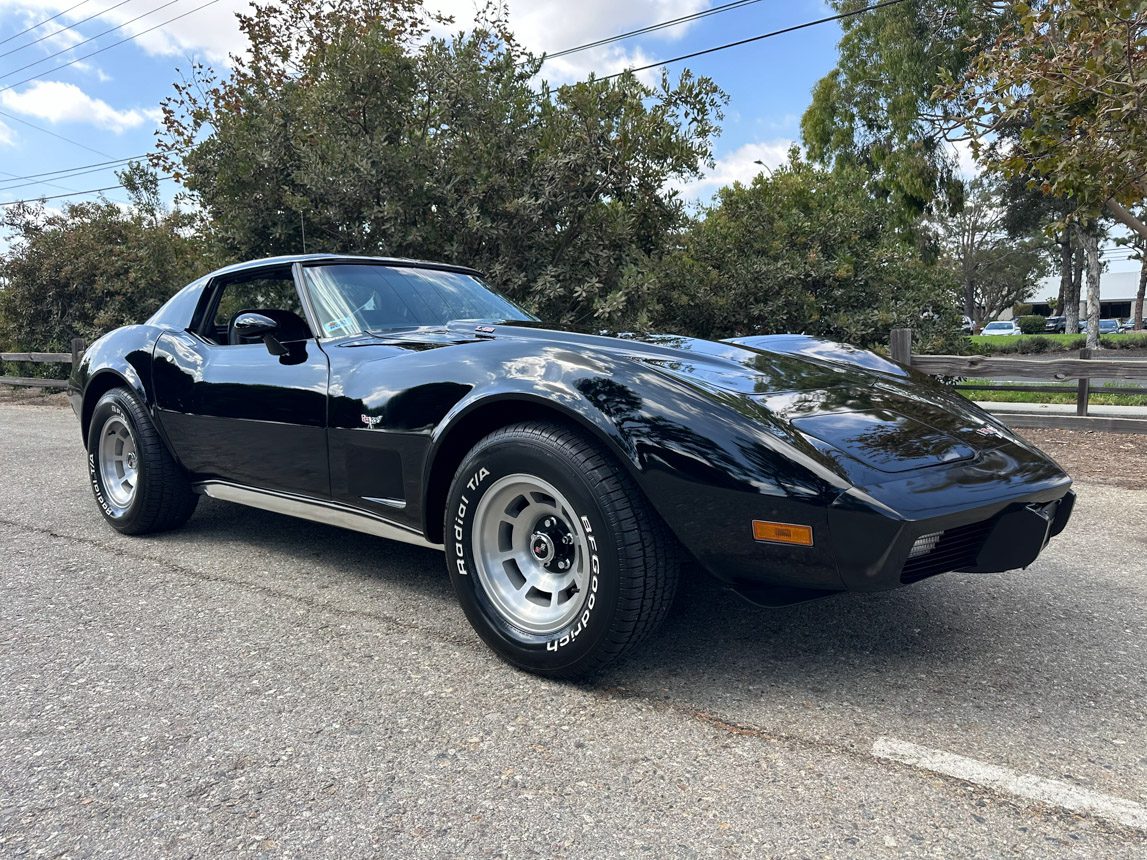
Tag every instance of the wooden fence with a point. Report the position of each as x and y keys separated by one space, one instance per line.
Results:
x=71 y=358
x=1078 y=371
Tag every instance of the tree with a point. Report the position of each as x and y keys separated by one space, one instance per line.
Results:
x=802 y=250
x=1138 y=246
x=90 y=267
x=1066 y=80
x=995 y=269
x=878 y=108
x=347 y=124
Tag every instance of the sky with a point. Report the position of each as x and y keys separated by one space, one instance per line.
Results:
x=107 y=105
x=104 y=104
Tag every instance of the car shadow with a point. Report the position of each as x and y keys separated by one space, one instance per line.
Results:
x=983 y=646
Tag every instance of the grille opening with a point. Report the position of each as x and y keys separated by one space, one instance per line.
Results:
x=951 y=550
x=924 y=545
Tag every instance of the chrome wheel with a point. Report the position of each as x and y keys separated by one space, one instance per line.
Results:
x=530 y=554
x=119 y=462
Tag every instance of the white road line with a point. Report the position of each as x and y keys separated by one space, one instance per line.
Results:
x=1049 y=791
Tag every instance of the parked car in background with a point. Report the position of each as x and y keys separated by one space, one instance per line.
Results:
x=1129 y=325
x=1056 y=325
x=1108 y=326
x=1001 y=327
x=966 y=324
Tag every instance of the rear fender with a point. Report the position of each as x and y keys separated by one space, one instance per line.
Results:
x=121 y=358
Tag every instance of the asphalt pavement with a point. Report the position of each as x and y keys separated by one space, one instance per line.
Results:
x=256 y=685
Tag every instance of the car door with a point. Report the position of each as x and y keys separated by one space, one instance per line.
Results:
x=234 y=410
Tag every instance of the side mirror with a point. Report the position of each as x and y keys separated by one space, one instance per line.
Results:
x=257 y=325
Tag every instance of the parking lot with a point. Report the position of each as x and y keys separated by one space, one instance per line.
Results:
x=258 y=685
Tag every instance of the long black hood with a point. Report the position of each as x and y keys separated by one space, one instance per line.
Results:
x=840 y=400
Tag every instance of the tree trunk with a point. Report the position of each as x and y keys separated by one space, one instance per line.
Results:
x=970 y=302
x=1071 y=307
x=1064 y=272
x=1120 y=213
x=1091 y=248
x=1137 y=309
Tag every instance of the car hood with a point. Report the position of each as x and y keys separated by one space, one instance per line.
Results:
x=840 y=400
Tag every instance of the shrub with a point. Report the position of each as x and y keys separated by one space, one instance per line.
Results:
x=1129 y=340
x=1032 y=323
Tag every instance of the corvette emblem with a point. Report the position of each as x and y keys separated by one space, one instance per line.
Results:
x=371 y=420
x=988 y=430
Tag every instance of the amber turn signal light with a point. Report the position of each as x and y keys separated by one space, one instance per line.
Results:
x=782 y=533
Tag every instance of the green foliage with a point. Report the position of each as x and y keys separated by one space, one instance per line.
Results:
x=90 y=267
x=1031 y=323
x=1010 y=344
x=996 y=268
x=1052 y=396
x=348 y=124
x=1064 y=84
x=803 y=250
x=876 y=109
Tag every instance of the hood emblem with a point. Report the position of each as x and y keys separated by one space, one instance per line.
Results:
x=371 y=420
x=988 y=430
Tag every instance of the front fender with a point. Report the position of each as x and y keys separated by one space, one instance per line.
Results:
x=707 y=463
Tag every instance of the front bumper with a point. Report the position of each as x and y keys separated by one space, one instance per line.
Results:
x=992 y=539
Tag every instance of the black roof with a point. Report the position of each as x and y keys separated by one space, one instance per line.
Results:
x=291 y=259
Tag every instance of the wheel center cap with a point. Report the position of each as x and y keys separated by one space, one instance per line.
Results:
x=131 y=461
x=543 y=547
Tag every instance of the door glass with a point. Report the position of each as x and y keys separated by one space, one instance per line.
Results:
x=271 y=294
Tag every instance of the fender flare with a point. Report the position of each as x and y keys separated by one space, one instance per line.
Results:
x=480 y=413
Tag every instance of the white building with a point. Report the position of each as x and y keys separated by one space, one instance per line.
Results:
x=1116 y=294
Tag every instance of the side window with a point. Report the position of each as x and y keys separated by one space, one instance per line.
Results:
x=272 y=294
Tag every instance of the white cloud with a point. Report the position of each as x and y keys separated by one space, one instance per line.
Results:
x=212 y=32
x=7 y=136
x=553 y=25
x=540 y=25
x=740 y=165
x=59 y=102
x=966 y=165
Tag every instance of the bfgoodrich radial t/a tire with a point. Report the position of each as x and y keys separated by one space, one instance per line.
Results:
x=556 y=557
x=138 y=486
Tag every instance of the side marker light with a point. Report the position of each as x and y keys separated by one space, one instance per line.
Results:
x=782 y=533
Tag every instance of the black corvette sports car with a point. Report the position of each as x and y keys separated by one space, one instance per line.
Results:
x=564 y=475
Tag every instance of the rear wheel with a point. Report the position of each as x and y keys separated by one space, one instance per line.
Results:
x=138 y=486
x=556 y=557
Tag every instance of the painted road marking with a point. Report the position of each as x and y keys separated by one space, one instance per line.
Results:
x=1049 y=791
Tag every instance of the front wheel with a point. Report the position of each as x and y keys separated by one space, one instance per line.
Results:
x=138 y=486
x=557 y=559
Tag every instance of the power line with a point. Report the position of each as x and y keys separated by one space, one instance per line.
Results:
x=8 y=39
x=727 y=7
x=751 y=39
x=49 y=184
x=64 y=176
x=107 y=48
x=79 y=167
x=52 y=133
x=691 y=55
x=74 y=194
x=63 y=30
x=85 y=41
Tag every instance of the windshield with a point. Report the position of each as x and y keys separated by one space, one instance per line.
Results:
x=998 y=326
x=353 y=298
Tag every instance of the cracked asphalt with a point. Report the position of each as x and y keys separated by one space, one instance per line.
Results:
x=256 y=685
